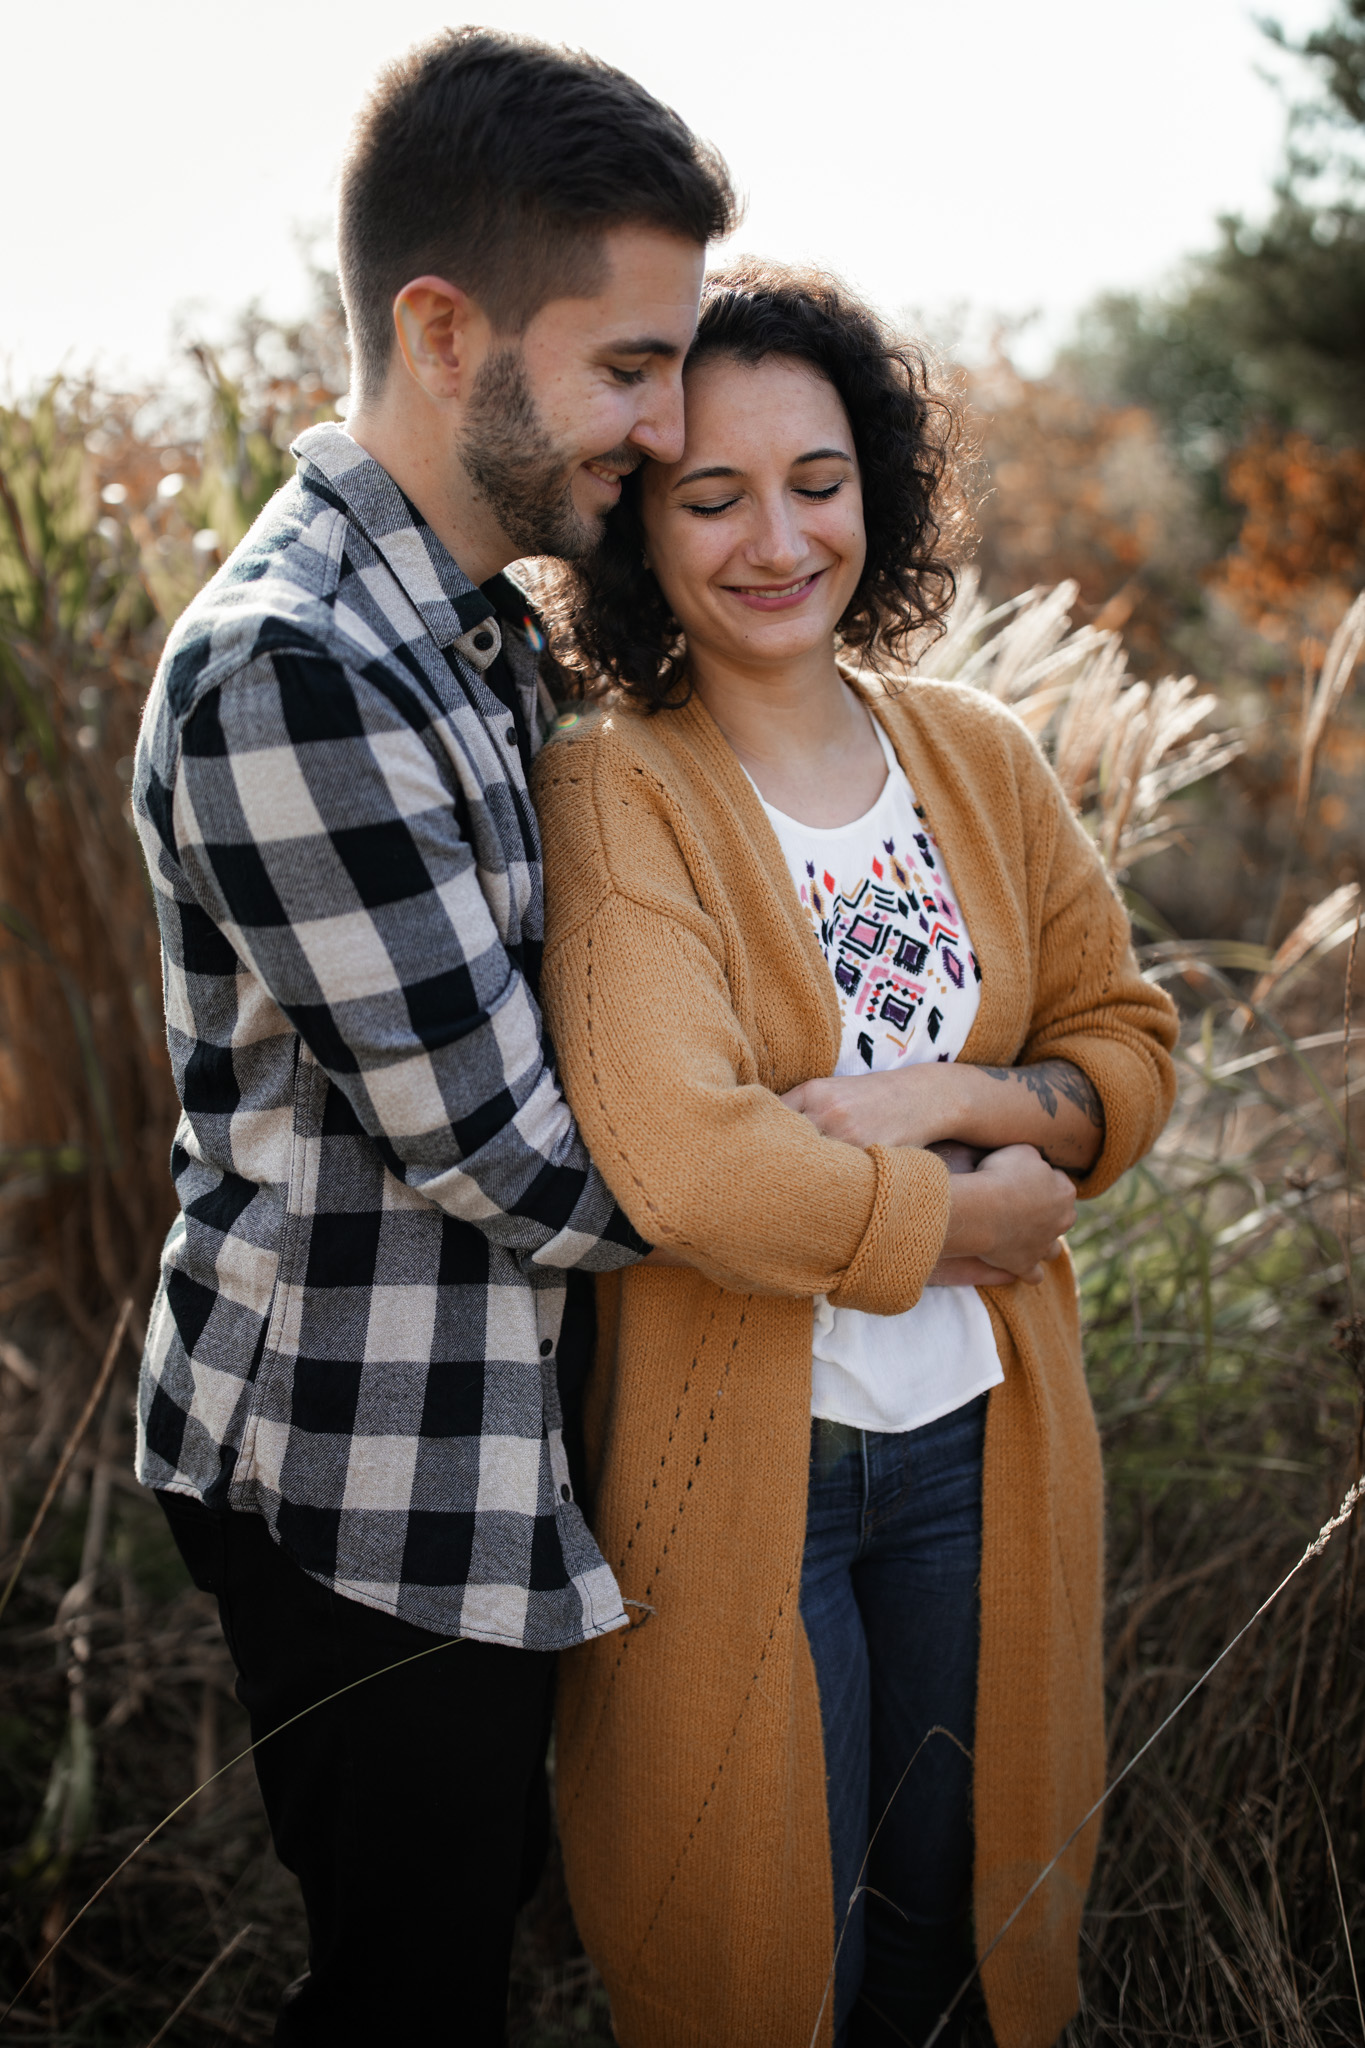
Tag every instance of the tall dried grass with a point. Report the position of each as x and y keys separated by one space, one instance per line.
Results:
x=84 y=1081
x=110 y=518
x=1225 y=1343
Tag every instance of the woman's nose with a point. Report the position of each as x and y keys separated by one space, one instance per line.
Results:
x=778 y=543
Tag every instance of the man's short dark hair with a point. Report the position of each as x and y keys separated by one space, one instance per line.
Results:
x=497 y=163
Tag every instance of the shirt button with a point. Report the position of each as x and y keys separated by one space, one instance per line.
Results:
x=546 y=1347
x=511 y=735
x=483 y=641
x=566 y=1492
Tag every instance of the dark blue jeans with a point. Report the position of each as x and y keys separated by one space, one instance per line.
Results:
x=890 y=1601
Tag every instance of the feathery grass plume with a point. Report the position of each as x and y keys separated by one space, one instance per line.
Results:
x=1320 y=930
x=1338 y=666
x=1210 y=1282
x=1121 y=748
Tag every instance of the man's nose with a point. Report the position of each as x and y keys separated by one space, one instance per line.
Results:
x=659 y=429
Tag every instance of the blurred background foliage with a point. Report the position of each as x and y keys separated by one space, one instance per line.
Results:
x=1195 y=461
x=1182 y=494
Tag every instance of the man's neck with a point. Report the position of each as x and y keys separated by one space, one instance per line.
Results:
x=421 y=456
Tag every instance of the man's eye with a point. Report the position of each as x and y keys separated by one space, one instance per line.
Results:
x=710 y=511
x=827 y=491
x=627 y=376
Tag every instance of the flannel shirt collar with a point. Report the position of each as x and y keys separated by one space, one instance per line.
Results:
x=454 y=611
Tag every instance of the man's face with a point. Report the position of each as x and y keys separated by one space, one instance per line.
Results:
x=558 y=416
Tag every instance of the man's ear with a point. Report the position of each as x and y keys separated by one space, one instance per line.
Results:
x=442 y=336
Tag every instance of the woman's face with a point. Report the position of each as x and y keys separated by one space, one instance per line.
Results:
x=756 y=535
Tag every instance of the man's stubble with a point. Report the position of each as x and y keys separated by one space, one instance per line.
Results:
x=523 y=478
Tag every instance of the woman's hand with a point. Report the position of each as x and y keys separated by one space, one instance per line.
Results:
x=1005 y=1220
x=1050 y=1104
x=919 y=1105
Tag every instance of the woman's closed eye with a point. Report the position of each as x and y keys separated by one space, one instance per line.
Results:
x=814 y=494
x=710 y=511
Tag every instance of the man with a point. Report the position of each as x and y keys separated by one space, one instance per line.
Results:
x=352 y=1401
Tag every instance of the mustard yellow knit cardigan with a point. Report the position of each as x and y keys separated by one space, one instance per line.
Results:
x=685 y=990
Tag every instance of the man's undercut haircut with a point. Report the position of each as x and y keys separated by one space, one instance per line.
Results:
x=497 y=163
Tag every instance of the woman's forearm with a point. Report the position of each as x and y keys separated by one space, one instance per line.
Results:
x=1051 y=1105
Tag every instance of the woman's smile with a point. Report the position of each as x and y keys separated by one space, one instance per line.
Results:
x=765 y=597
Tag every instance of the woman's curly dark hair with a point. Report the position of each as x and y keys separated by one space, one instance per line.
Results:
x=610 y=625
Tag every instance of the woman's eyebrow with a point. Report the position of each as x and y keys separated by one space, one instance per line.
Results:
x=721 y=469
x=694 y=475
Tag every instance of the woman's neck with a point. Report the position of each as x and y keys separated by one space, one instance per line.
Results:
x=801 y=733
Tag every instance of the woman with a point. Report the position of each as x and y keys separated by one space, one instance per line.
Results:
x=810 y=1435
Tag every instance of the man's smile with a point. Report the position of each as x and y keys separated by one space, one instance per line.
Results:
x=612 y=475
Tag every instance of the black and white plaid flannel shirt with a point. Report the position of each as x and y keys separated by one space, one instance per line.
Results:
x=381 y=1186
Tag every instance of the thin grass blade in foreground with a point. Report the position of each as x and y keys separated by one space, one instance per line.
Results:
x=1339 y=664
x=1315 y=1549
x=76 y=1918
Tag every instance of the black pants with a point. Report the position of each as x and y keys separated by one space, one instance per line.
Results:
x=413 y=1810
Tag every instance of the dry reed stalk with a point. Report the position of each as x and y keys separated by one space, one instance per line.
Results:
x=85 y=1090
x=104 y=536
x=69 y=1449
x=1314 y=1550
x=228 y=1949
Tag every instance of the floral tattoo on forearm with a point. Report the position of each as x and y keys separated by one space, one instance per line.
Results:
x=1052 y=1080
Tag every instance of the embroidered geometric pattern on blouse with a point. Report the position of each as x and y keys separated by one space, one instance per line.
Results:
x=893 y=939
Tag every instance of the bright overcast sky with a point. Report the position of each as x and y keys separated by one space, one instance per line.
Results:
x=159 y=158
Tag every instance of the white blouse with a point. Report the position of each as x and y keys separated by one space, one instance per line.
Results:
x=879 y=898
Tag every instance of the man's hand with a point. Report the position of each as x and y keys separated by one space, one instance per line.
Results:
x=963 y=1272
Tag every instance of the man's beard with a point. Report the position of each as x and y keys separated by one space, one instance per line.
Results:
x=526 y=482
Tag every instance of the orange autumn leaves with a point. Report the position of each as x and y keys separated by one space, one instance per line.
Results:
x=1075 y=488
x=1300 y=554
x=1079 y=490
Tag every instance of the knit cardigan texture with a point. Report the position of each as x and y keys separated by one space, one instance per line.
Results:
x=684 y=991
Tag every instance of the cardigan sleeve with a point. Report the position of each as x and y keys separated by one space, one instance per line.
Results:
x=1091 y=1003
x=702 y=1157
